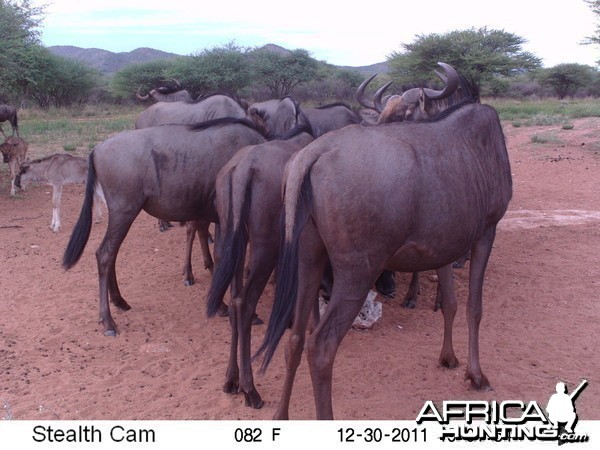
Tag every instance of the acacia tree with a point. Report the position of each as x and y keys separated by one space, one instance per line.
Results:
x=595 y=6
x=19 y=22
x=478 y=54
x=282 y=72
x=567 y=79
x=127 y=81
x=222 y=68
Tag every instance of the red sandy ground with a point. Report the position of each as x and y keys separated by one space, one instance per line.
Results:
x=541 y=319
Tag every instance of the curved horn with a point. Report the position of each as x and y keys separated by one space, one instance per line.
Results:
x=379 y=105
x=359 y=95
x=450 y=77
x=141 y=97
x=178 y=84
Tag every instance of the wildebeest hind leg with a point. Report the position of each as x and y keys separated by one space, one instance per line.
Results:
x=348 y=296
x=449 y=307
x=480 y=254
x=310 y=272
x=263 y=261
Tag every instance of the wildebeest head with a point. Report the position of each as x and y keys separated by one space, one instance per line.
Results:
x=277 y=116
x=8 y=147
x=418 y=103
x=170 y=93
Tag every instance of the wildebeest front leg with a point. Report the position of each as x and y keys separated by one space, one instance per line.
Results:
x=410 y=299
x=480 y=254
x=449 y=307
x=188 y=274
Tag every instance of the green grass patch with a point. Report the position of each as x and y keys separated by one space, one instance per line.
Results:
x=545 y=138
x=72 y=129
x=544 y=112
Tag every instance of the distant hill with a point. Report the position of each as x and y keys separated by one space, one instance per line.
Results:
x=109 y=62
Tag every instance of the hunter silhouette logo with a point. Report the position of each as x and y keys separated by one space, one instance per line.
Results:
x=509 y=420
x=561 y=410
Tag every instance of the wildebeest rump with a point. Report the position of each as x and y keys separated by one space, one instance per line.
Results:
x=57 y=170
x=167 y=171
x=425 y=193
x=249 y=204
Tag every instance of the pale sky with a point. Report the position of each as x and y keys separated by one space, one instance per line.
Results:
x=352 y=33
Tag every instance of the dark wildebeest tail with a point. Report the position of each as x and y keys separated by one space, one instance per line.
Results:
x=287 y=268
x=233 y=240
x=83 y=227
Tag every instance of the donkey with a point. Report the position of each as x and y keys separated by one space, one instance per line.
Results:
x=8 y=112
x=57 y=170
x=168 y=171
x=14 y=152
x=452 y=183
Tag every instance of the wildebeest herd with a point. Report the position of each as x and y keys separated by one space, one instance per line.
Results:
x=321 y=198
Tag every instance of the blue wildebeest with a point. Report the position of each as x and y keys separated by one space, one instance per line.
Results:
x=249 y=203
x=167 y=171
x=8 y=112
x=415 y=104
x=173 y=93
x=424 y=192
x=281 y=115
x=57 y=170
x=209 y=107
x=212 y=106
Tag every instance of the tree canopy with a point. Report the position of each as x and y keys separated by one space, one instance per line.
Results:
x=479 y=54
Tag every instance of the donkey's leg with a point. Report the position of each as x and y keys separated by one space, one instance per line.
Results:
x=263 y=260
x=56 y=195
x=311 y=265
x=480 y=254
x=449 y=307
x=119 y=223
x=190 y=232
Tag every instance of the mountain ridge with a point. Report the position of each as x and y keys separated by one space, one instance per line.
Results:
x=108 y=62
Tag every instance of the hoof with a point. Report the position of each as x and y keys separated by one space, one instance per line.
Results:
x=121 y=304
x=256 y=320
x=223 y=311
x=479 y=383
x=409 y=303
x=111 y=333
x=188 y=282
x=253 y=400
x=450 y=362
x=231 y=387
